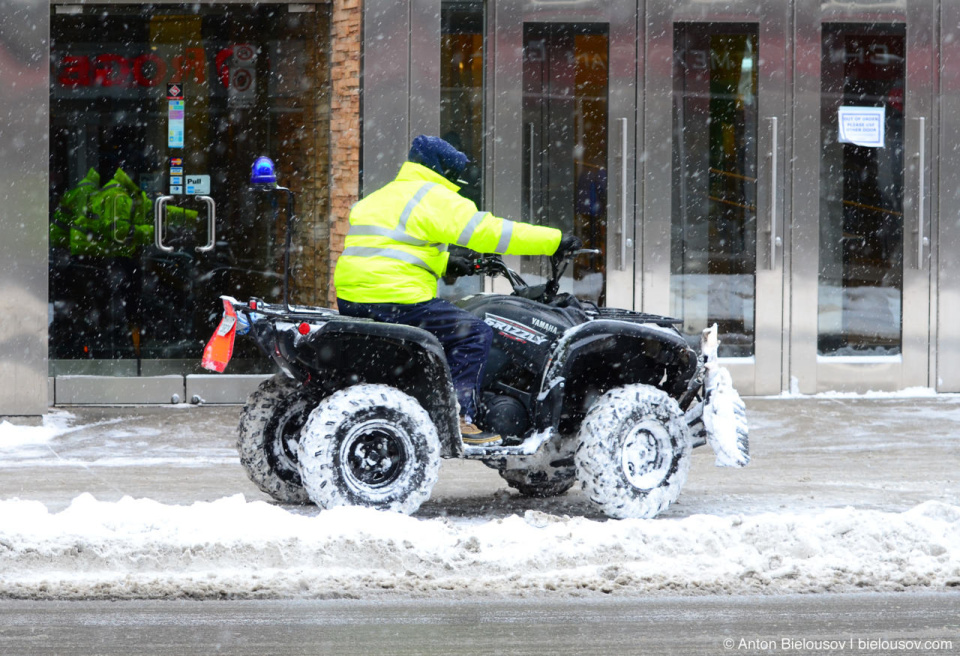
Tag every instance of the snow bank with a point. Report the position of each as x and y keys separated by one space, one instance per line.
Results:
x=239 y=549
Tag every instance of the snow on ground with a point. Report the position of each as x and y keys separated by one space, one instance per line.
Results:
x=236 y=548
x=240 y=549
x=116 y=444
x=906 y=393
x=13 y=436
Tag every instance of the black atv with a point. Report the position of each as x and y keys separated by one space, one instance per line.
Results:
x=363 y=411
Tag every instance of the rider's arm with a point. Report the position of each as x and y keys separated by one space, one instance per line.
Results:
x=453 y=219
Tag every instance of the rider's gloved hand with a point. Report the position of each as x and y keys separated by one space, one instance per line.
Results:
x=459 y=266
x=244 y=321
x=568 y=244
x=243 y=324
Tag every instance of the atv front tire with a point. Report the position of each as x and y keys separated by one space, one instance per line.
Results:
x=269 y=430
x=370 y=445
x=634 y=452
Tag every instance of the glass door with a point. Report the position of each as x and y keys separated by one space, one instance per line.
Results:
x=565 y=116
x=713 y=247
x=157 y=113
x=947 y=233
x=863 y=169
x=564 y=134
x=713 y=235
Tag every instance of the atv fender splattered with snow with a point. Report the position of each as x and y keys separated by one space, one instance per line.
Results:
x=325 y=352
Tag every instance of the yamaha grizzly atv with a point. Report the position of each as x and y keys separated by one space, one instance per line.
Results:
x=362 y=411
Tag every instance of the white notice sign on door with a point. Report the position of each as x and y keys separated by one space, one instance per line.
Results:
x=862 y=126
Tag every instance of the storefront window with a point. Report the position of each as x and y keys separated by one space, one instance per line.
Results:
x=177 y=101
x=861 y=190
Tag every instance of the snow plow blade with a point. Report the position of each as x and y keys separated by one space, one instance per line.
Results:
x=722 y=417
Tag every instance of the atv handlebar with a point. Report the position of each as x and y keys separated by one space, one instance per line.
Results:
x=493 y=265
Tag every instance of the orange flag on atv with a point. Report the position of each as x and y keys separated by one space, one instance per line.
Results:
x=219 y=349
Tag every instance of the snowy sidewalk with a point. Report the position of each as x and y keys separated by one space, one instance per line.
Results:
x=844 y=493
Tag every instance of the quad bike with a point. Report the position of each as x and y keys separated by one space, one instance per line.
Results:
x=362 y=412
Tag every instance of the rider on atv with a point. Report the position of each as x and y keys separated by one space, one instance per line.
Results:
x=397 y=249
x=361 y=412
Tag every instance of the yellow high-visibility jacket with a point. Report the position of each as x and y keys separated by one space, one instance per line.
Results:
x=396 y=247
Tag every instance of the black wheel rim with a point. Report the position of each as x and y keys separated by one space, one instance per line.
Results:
x=373 y=454
x=645 y=455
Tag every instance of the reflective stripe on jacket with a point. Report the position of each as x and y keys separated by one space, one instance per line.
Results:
x=396 y=247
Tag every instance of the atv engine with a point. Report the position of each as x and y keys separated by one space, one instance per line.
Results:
x=504 y=415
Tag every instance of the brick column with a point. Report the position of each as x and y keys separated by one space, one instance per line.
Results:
x=346 y=42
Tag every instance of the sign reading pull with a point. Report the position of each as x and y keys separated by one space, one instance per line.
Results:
x=197 y=185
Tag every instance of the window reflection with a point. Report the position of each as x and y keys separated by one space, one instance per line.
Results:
x=461 y=88
x=565 y=89
x=461 y=104
x=714 y=219
x=861 y=197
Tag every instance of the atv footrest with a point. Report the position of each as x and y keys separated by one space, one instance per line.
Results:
x=528 y=447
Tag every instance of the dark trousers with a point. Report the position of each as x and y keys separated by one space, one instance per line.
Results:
x=465 y=339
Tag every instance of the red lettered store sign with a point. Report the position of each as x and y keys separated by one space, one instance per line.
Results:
x=89 y=71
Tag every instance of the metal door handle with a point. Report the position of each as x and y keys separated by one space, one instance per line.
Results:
x=531 y=168
x=211 y=225
x=133 y=213
x=625 y=242
x=921 y=188
x=158 y=224
x=775 y=240
x=113 y=211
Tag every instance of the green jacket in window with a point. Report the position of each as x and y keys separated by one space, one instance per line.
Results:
x=115 y=220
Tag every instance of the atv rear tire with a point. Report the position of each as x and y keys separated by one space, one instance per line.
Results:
x=370 y=445
x=549 y=473
x=269 y=430
x=634 y=452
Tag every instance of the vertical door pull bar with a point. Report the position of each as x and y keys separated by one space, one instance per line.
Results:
x=775 y=240
x=134 y=205
x=159 y=214
x=625 y=242
x=211 y=225
x=921 y=190
x=530 y=171
x=113 y=212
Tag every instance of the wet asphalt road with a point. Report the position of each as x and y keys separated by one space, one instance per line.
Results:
x=807 y=624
